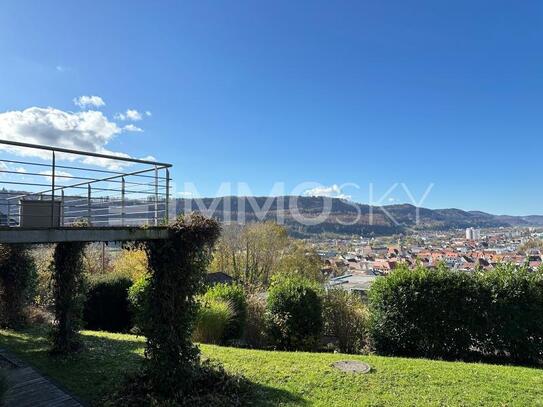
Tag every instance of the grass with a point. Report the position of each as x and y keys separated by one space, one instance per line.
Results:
x=282 y=378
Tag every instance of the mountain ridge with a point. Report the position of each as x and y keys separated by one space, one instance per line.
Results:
x=348 y=217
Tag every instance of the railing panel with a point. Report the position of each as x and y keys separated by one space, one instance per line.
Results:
x=115 y=191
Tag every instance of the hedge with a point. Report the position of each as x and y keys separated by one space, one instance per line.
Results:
x=514 y=327
x=454 y=315
x=107 y=307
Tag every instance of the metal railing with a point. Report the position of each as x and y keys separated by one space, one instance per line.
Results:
x=70 y=186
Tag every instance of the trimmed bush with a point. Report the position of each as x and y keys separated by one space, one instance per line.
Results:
x=453 y=315
x=428 y=313
x=107 y=307
x=514 y=328
x=212 y=320
x=345 y=318
x=17 y=283
x=294 y=314
x=233 y=294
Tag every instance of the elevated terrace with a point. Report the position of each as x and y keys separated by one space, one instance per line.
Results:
x=51 y=194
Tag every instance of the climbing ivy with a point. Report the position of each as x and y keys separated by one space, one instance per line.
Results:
x=17 y=278
x=69 y=294
x=177 y=266
x=173 y=374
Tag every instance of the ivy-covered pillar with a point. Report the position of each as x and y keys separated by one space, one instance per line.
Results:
x=17 y=271
x=69 y=295
x=177 y=266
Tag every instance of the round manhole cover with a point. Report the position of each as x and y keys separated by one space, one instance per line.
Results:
x=352 y=366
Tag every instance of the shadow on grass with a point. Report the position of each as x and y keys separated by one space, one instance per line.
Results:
x=259 y=394
x=267 y=396
x=104 y=362
x=36 y=340
x=23 y=342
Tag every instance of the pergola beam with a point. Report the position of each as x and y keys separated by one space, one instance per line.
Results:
x=82 y=234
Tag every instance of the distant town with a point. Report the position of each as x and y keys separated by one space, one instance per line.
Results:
x=353 y=263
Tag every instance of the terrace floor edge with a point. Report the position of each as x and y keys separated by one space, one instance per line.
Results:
x=82 y=234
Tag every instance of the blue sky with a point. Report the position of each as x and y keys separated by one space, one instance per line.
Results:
x=381 y=92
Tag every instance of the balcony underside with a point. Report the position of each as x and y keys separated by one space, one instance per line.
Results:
x=81 y=234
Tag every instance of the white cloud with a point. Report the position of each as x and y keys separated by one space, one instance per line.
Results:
x=85 y=101
x=148 y=113
x=20 y=170
x=134 y=115
x=131 y=127
x=148 y=158
x=109 y=163
x=333 y=191
x=130 y=114
x=87 y=131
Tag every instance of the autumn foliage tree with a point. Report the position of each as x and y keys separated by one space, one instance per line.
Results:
x=254 y=253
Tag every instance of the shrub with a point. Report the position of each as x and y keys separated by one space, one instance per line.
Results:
x=294 y=314
x=425 y=313
x=345 y=318
x=17 y=282
x=138 y=296
x=107 y=307
x=514 y=328
x=254 y=334
x=233 y=294
x=212 y=320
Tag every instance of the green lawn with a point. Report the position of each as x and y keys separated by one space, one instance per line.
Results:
x=282 y=378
